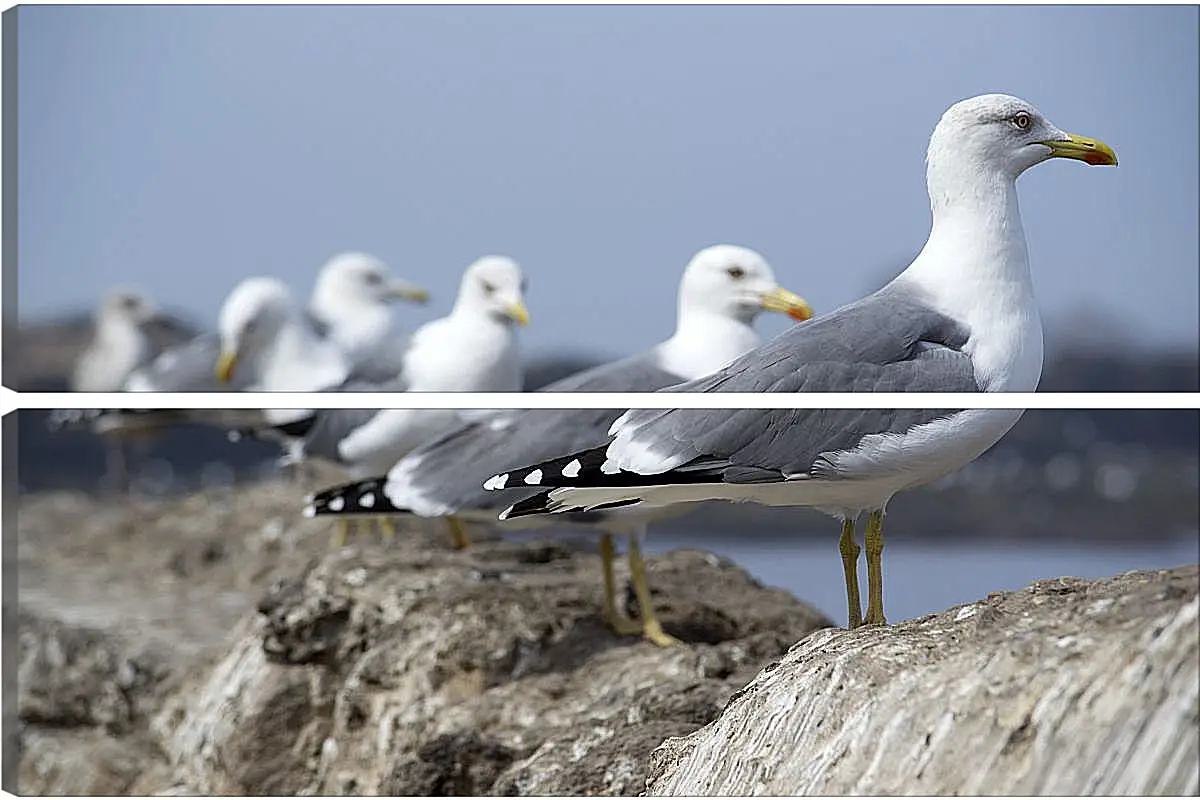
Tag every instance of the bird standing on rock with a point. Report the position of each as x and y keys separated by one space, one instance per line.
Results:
x=960 y=318
x=723 y=291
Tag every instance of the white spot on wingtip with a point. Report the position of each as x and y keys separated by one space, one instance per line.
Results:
x=367 y=500
x=504 y=513
x=337 y=503
x=572 y=469
x=496 y=482
x=309 y=511
x=534 y=478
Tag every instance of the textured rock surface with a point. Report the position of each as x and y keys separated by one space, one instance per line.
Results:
x=1069 y=687
x=466 y=673
x=182 y=659
x=214 y=644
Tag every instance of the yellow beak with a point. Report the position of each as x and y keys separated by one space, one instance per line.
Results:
x=225 y=366
x=781 y=301
x=518 y=313
x=1081 y=148
x=409 y=292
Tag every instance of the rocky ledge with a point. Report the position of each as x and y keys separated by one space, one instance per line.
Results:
x=215 y=645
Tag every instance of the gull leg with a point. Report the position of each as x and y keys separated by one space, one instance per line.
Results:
x=341 y=532
x=458 y=534
x=850 y=551
x=874 y=543
x=651 y=628
x=616 y=621
x=387 y=528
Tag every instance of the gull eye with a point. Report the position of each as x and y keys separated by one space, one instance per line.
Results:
x=1021 y=120
x=737 y=273
x=488 y=288
x=374 y=278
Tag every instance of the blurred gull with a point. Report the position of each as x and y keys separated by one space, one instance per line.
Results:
x=119 y=344
x=353 y=299
x=266 y=343
x=722 y=291
x=472 y=349
x=350 y=308
x=960 y=318
x=263 y=341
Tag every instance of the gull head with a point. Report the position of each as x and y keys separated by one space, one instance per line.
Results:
x=127 y=305
x=361 y=279
x=251 y=317
x=736 y=282
x=495 y=285
x=999 y=134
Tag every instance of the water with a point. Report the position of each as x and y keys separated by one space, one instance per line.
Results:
x=922 y=577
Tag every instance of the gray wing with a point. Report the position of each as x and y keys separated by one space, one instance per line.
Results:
x=327 y=428
x=385 y=366
x=190 y=367
x=318 y=325
x=321 y=431
x=164 y=332
x=452 y=468
x=887 y=342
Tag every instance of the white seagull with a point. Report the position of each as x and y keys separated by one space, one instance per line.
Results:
x=721 y=293
x=350 y=308
x=119 y=343
x=960 y=318
x=474 y=348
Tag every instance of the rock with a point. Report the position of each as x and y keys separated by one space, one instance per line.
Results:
x=438 y=672
x=82 y=700
x=189 y=654
x=1068 y=687
x=88 y=762
x=73 y=677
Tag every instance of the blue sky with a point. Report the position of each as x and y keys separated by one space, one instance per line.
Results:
x=179 y=149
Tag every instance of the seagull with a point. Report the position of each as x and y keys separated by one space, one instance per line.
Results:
x=119 y=346
x=263 y=335
x=960 y=318
x=471 y=349
x=264 y=341
x=350 y=307
x=353 y=299
x=722 y=291
x=119 y=342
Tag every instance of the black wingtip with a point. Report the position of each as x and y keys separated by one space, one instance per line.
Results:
x=358 y=497
x=557 y=472
x=297 y=429
x=544 y=504
x=530 y=506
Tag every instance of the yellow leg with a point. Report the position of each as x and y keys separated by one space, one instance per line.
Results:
x=874 y=543
x=387 y=528
x=341 y=533
x=850 y=551
x=651 y=629
x=616 y=621
x=458 y=534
